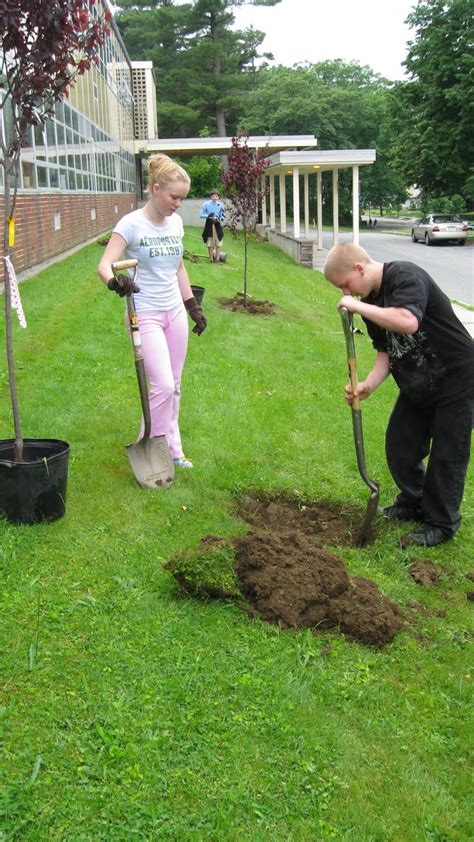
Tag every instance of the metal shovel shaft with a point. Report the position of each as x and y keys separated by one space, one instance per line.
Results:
x=347 y=324
x=150 y=457
x=139 y=364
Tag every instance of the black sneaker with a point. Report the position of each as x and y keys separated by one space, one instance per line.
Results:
x=429 y=536
x=397 y=511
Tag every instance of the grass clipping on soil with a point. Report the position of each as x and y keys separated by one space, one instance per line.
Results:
x=283 y=571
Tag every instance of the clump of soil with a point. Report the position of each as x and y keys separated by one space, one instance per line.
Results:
x=252 y=306
x=424 y=573
x=289 y=577
x=286 y=573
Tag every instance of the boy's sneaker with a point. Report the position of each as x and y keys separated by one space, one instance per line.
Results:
x=429 y=536
x=183 y=462
x=398 y=511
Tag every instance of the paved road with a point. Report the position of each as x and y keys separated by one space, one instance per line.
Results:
x=450 y=265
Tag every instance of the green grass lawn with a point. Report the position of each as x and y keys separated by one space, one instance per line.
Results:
x=129 y=711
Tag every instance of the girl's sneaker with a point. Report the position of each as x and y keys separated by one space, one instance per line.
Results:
x=183 y=462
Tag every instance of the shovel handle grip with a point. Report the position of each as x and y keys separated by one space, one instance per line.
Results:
x=124 y=264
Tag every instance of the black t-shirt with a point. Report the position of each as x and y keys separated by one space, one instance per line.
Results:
x=435 y=364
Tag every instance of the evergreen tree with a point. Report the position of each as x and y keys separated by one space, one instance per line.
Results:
x=202 y=65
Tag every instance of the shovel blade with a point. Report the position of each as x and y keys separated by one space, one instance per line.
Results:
x=151 y=462
x=370 y=513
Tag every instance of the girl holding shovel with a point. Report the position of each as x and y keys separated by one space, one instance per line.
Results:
x=153 y=235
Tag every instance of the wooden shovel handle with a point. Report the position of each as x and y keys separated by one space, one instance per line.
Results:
x=351 y=362
x=124 y=264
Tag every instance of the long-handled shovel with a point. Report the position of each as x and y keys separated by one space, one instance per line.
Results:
x=149 y=457
x=347 y=324
x=223 y=254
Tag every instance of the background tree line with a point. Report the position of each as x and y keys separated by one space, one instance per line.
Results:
x=213 y=80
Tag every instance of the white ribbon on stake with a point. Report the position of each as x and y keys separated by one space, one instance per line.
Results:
x=15 y=292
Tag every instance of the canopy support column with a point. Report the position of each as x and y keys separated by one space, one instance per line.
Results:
x=272 y=201
x=282 y=181
x=355 y=204
x=319 y=187
x=335 y=206
x=296 y=203
x=306 y=204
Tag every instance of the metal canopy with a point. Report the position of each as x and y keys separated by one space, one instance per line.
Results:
x=314 y=160
x=221 y=145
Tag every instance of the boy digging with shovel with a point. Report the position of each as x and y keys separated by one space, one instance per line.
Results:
x=421 y=342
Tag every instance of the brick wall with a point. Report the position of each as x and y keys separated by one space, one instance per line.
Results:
x=37 y=215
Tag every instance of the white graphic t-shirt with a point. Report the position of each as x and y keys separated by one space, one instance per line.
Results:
x=159 y=251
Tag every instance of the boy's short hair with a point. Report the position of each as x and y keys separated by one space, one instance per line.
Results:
x=214 y=193
x=341 y=259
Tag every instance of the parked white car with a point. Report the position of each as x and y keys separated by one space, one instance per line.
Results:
x=440 y=226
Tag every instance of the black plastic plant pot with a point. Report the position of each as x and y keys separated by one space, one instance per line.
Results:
x=198 y=293
x=33 y=490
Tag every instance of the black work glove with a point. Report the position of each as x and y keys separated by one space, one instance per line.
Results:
x=212 y=217
x=196 y=314
x=122 y=285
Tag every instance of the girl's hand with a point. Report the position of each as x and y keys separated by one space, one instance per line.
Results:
x=197 y=315
x=122 y=285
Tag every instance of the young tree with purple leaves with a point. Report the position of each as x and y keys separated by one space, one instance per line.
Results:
x=45 y=45
x=244 y=190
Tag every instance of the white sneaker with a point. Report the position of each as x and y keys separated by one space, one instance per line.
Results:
x=183 y=462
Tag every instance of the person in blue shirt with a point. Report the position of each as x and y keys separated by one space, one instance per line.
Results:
x=213 y=212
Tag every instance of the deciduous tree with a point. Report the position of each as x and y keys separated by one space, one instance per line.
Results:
x=433 y=113
x=45 y=45
x=242 y=180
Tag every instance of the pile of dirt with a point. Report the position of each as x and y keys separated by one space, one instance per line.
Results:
x=288 y=575
x=247 y=304
x=286 y=572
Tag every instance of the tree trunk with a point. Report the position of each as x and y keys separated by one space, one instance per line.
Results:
x=246 y=246
x=220 y=119
x=220 y=113
x=11 y=166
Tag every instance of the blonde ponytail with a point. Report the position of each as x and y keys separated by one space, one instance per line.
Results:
x=163 y=170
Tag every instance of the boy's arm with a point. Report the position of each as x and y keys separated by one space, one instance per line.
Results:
x=203 y=212
x=375 y=377
x=396 y=319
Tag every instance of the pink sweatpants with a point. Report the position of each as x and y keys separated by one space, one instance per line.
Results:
x=164 y=337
